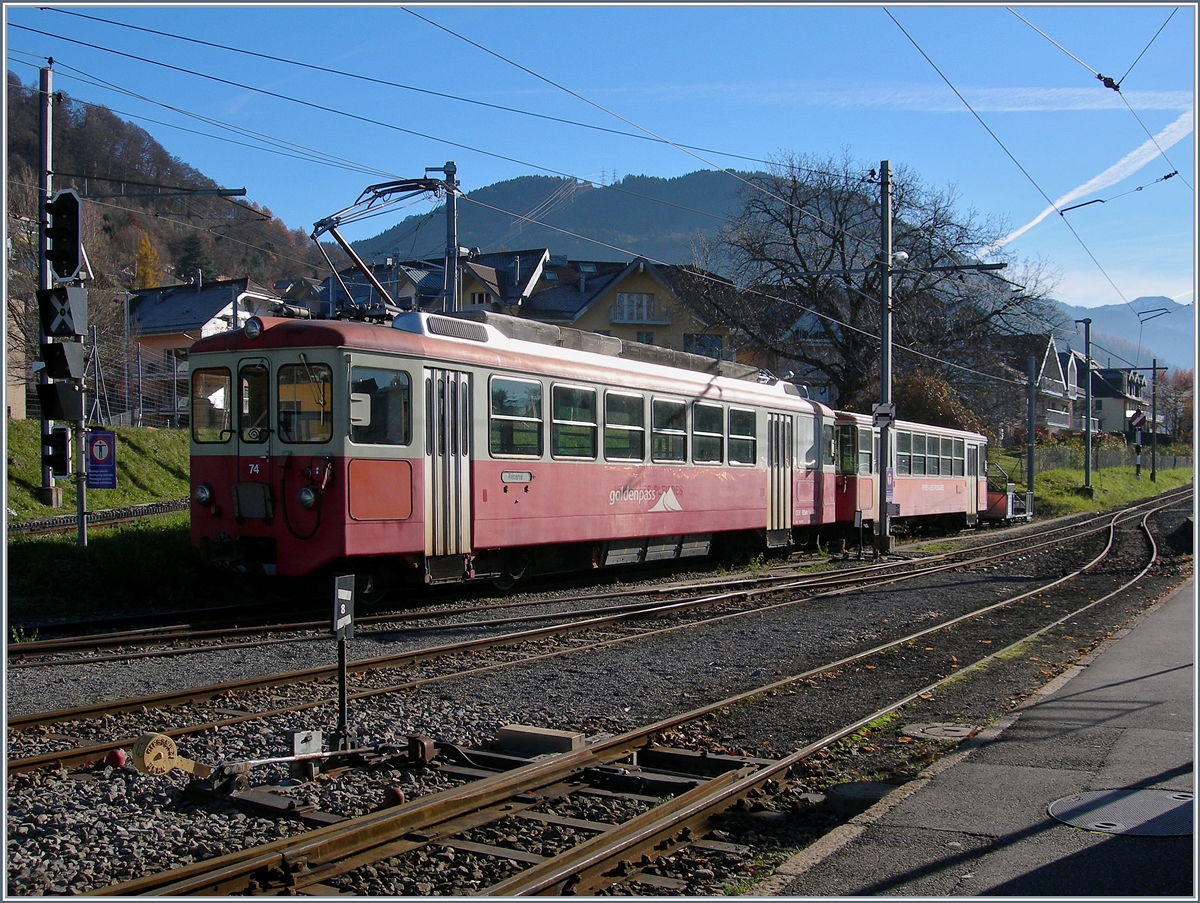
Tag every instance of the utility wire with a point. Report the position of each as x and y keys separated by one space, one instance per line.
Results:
x=679 y=147
x=303 y=153
x=467 y=147
x=1091 y=69
x=754 y=186
x=391 y=84
x=1110 y=83
x=295 y=100
x=1155 y=140
x=768 y=296
x=376 y=122
x=1082 y=244
x=1147 y=47
x=186 y=225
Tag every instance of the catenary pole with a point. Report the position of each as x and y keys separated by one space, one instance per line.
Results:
x=48 y=494
x=1032 y=425
x=1087 y=414
x=885 y=412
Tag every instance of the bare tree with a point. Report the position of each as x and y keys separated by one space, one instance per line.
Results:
x=805 y=250
x=22 y=274
x=1175 y=404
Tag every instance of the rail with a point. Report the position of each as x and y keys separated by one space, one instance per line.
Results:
x=64 y=522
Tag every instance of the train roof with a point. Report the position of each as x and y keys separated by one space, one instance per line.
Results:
x=912 y=425
x=514 y=343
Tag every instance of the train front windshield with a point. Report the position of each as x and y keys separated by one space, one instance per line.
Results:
x=223 y=405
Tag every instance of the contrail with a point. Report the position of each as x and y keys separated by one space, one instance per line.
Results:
x=1122 y=169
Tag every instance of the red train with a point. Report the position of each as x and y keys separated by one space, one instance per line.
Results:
x=443 y=449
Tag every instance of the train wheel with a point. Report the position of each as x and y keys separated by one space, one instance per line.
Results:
x=516 y=568
x=373 y=587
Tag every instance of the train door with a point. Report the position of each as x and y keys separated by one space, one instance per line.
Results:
x=447 y=469
x=252 y=485
x=779 y=479
x=973 y=459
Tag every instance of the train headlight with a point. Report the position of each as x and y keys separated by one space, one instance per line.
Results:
x=308 y=497
x=204 y=494
x=253 y=328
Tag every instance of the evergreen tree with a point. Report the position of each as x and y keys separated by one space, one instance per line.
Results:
x=196 y=258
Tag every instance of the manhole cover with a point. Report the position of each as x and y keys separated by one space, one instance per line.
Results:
x=1145 y=813
x=940 y=731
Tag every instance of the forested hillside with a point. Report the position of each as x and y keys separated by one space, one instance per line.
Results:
x=132 y=186
x=639 y=215
x=141 y=226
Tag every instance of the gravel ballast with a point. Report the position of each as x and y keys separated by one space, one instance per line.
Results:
x=71 y=832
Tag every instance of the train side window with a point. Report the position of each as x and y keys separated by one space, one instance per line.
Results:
x=380 y=406
x=904 y=453
x=865 y=438
x=847 y=449
x=573 y=422
x=947 y=456
x=212 y=396
x=254 y=393
x=806 y=435
x=708 y=433
x=918 y=454
x=960 y=451
x=668 y=438
x=743 y=438
x=828 y=450
x=305 y=402
x=515 y=428
x=624 y=427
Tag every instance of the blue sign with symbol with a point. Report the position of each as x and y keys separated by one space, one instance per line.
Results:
x=101 y=459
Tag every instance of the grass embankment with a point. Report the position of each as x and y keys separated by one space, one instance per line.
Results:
x=123 y=569
x=1060 y=492
x=152 y=466
x=131 y=568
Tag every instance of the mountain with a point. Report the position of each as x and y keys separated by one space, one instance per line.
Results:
x=133 y=188
x=638 y=216
x=1165 y=330
x=660 y=218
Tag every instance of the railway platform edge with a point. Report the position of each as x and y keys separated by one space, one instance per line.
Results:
x=977 y=822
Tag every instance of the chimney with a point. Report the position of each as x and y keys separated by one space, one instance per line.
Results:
x=582 y=282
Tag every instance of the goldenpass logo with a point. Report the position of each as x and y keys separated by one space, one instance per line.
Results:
x=625 y=494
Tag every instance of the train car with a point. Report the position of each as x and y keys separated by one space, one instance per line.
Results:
x=443 y=449
x=938 y=475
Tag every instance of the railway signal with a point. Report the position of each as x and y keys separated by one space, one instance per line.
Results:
x=61 y=400
x=63 y=360
x=65 y=252
x=56 y=451
x=63 y=311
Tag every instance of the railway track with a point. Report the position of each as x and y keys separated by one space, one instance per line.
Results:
x=627 y=853
x=177 y=640
x=65 y=523
x=234 y=701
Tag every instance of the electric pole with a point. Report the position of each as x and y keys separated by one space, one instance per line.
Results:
x=1087 y=416
x=885 y=411
x=48 y=494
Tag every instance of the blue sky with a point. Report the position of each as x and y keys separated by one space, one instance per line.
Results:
x=1033 y=131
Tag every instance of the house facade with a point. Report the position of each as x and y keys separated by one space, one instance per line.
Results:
x=1116 y=395
x=634 y=302
x=163 y=324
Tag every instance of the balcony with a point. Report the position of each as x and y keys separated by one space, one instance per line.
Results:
x=639 y=316
x=1058 y=419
